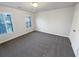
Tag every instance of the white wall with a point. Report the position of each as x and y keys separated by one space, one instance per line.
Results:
x=56 y=22
x=18 y=19
x=74 y=36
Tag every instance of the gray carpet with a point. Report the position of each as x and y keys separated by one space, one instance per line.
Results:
x=37 y=44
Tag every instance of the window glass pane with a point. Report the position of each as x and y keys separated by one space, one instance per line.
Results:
x=27 y=24
x=9 y=23
x=30 y=21
x=1 y=18
x=2 y=25
x=2 y=28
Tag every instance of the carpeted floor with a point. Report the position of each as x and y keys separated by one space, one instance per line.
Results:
x=37 y=44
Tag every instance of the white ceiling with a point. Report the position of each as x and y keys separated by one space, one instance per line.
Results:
x=43 y=6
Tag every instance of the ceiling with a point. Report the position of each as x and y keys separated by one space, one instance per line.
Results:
x=42 y=6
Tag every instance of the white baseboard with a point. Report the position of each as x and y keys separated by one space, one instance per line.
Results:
x=52 y=33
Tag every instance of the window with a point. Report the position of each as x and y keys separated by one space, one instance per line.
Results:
x=28 y=22
x=5 y=23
